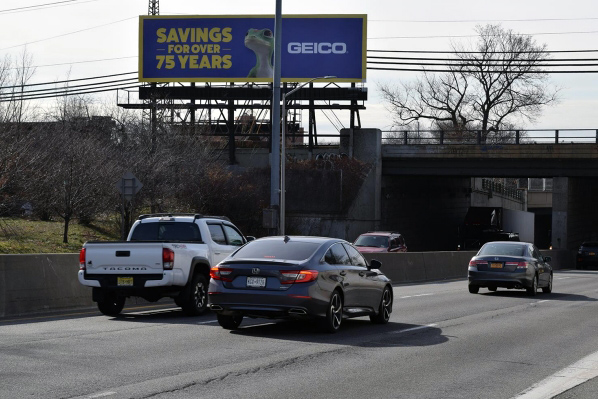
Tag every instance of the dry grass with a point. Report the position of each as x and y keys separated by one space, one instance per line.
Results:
x=23 y=236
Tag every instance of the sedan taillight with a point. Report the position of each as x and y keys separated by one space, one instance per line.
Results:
x=523 y=265
x=221 y=273
x=298 y=276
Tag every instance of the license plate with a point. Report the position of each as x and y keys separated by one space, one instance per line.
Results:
x=496 y=265
x=124 y=281
x=592 y=253
x=256 y=282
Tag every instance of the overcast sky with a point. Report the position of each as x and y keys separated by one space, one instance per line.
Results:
x=63 y=38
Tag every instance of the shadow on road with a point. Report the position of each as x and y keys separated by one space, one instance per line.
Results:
x=354 y=332
x=554 y=296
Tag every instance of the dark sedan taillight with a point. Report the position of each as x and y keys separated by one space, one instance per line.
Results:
x=221 y=273
x=473 y=264
x=298 y=276
x=518 y=265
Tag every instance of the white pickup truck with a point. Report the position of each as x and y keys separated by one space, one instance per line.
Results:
x=165 y=255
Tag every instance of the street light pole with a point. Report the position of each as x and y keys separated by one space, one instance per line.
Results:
x=283 y=151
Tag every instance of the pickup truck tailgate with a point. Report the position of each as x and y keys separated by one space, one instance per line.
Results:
x=124 y=258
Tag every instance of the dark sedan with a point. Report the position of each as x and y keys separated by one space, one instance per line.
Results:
x=510 y=265
x=587 y=255
x=299 y=277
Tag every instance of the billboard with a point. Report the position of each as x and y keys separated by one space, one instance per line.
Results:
x=220 y=48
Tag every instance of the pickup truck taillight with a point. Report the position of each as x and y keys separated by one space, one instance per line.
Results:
x=82 y=259
x=167 y=258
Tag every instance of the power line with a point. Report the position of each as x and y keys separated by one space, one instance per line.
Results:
x=44 y=6
x=70 y=93
x=470 y=71
x=120 y=81
x=465 y=36
x=69 y=33
x=476 y=52
x=69 y=80
x=481 y=20
x=76 y=62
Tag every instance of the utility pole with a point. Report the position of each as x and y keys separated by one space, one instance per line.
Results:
x=153 y=9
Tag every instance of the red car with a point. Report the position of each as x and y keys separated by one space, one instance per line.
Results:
x=380 y=241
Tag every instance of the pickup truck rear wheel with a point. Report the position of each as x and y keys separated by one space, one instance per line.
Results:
x=111 y=305
x=195 y=300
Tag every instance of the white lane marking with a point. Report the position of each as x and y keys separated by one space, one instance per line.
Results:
x=208 y=322
x=562 y=278
x=563 y=380
x=102 y=395
x=414 y=329
x=542 y=301
x=414 y=296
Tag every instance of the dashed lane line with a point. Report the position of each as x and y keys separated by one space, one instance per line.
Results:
x=414 y=328
x=414 y=296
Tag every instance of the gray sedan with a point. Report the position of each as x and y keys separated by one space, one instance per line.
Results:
x=299 y=277
x=510 y=264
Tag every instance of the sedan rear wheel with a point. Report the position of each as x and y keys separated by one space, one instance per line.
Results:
x=473 y=289
x=548 y=288
x=334 y=315
x=229 y=322
x=534 y=288
x=385 y=308
x=493 y=289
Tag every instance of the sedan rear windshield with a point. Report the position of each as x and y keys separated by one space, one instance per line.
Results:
x=166 y=231
x=503 y=249
x=372 y=241
x=269 y=249
x=590 y=244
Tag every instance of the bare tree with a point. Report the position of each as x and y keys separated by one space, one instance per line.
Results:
x=507 y=78
x=495 y=83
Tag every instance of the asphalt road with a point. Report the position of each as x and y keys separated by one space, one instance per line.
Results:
x=441 y=342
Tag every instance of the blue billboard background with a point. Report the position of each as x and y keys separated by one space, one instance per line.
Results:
x=173 y=49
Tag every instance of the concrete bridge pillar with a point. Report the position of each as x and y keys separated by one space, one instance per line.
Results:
x=365 y=145
x=574 y=211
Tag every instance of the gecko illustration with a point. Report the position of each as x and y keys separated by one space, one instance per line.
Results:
x=261 y=41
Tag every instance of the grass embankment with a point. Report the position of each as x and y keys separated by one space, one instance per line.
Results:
x=23 y=236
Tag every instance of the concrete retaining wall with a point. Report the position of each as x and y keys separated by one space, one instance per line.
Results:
x=37 y=283
x=48 y=282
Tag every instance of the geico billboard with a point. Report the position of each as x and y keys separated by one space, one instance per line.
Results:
x=241 y=48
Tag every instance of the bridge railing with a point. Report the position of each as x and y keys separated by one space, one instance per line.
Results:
x=477 y=137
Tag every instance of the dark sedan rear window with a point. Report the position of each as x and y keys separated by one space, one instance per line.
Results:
x=590 y=244
x=291 y=250
x=503 y=249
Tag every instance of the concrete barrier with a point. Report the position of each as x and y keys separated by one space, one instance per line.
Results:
x=414 y=267
x=48 y=282
x=38 y=283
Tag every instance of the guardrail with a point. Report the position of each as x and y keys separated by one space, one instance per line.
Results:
x=477 y=137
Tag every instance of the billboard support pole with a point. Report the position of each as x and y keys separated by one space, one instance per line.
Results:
x=275 y=154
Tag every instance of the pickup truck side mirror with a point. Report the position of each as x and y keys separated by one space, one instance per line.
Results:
x=375 y=264
x=250 y=238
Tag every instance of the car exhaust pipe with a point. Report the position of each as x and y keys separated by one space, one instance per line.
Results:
x=216 y=307
x=297 y=311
